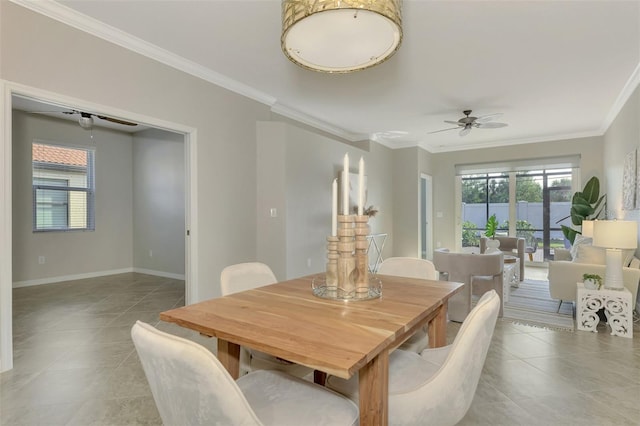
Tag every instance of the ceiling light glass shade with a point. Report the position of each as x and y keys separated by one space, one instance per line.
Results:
x=338 y=36
x=86 y=122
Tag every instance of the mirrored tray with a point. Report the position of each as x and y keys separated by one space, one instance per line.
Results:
x=320 y=289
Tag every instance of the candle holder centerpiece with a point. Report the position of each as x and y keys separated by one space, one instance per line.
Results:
x=347 y=275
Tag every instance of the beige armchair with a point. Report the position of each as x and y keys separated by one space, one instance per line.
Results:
x=481 y=272
x=513 y=246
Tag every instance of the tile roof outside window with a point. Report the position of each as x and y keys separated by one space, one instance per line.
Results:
x=59 y=155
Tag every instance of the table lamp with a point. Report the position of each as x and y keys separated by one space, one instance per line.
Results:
x=615 y=235
x=587 y=228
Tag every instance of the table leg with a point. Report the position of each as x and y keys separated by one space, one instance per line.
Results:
x=438 y=328
x=229 y=357
x=319 y=377
x=374 y=391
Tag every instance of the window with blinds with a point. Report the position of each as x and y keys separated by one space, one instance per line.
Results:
x=63 y=188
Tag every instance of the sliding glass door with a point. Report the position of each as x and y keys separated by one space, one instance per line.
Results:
x=543 y=197
x=483 y=195
x=527 y=203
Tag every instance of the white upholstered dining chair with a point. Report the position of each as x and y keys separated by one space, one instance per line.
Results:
x=247 y=276
x=191 y=387
x=437 y=386
x=411 y=267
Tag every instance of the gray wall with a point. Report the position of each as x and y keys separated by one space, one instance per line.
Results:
x=622 y=137
x=295 y=170
x=48 y=59
x=107 y=248
x=159 y=202
x=408 y=165
x=590 y=150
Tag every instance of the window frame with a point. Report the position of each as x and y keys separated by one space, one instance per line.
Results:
x=89 y=190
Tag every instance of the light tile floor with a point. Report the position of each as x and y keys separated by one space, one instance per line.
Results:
x=75 y=364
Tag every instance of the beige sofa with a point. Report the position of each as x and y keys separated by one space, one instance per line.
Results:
x=564 y=274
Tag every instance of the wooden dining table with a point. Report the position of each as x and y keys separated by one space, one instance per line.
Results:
x=331 y=336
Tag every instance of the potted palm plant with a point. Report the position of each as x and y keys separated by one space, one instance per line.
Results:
x=585 y=205
x=490 y=232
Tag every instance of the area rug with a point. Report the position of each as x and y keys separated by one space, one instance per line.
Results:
x=531 y=304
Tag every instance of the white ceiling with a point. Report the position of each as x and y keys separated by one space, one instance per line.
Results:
x=555 y=69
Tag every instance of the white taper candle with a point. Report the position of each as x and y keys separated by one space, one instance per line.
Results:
x=361 y=186
x=345 y=186
x=334 y=208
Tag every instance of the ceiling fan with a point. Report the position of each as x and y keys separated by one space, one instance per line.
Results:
x=465 y=124
x=86 y=118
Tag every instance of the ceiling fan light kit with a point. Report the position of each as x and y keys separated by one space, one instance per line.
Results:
x=468 y=122
x=340 y=36
x=86 y=121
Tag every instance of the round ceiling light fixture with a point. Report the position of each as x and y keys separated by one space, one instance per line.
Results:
x=85 y=121
x=339 y=36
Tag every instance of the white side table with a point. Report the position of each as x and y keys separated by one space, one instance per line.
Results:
x=510 y=278
x=617 y=307
x=512 y=267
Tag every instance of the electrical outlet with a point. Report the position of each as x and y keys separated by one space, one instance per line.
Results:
x=309 y=262
x=273 y=212
x=150 y=253
x=42 y=260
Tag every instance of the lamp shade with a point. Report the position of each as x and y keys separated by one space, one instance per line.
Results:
x=587 y=228
x=619 y=234
x=338 y=36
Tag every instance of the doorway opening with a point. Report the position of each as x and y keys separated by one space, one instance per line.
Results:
x=152 y=127
x=426 y=214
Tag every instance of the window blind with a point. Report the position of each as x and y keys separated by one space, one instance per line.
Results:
x=564 y=162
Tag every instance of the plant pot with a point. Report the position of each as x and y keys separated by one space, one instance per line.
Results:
x=591 y=284
x=492 y=246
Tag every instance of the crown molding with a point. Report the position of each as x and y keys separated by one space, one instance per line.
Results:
x=623 y=97
x=72 y=18
x=297 y=115
x=99 y=29
x=505 y=143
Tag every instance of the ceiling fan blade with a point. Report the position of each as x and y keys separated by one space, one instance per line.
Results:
x=50 y=112
x=444 y=130
x=492 y=125
x=465 y=131
x=457 y=123
x=115 y=120
x=488 y=117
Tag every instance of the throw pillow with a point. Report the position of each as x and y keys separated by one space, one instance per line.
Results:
x=577 y=242
x=590 y=254
x=627 y=256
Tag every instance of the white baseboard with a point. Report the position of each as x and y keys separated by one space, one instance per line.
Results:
x=159 y=273
x=52 y=280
